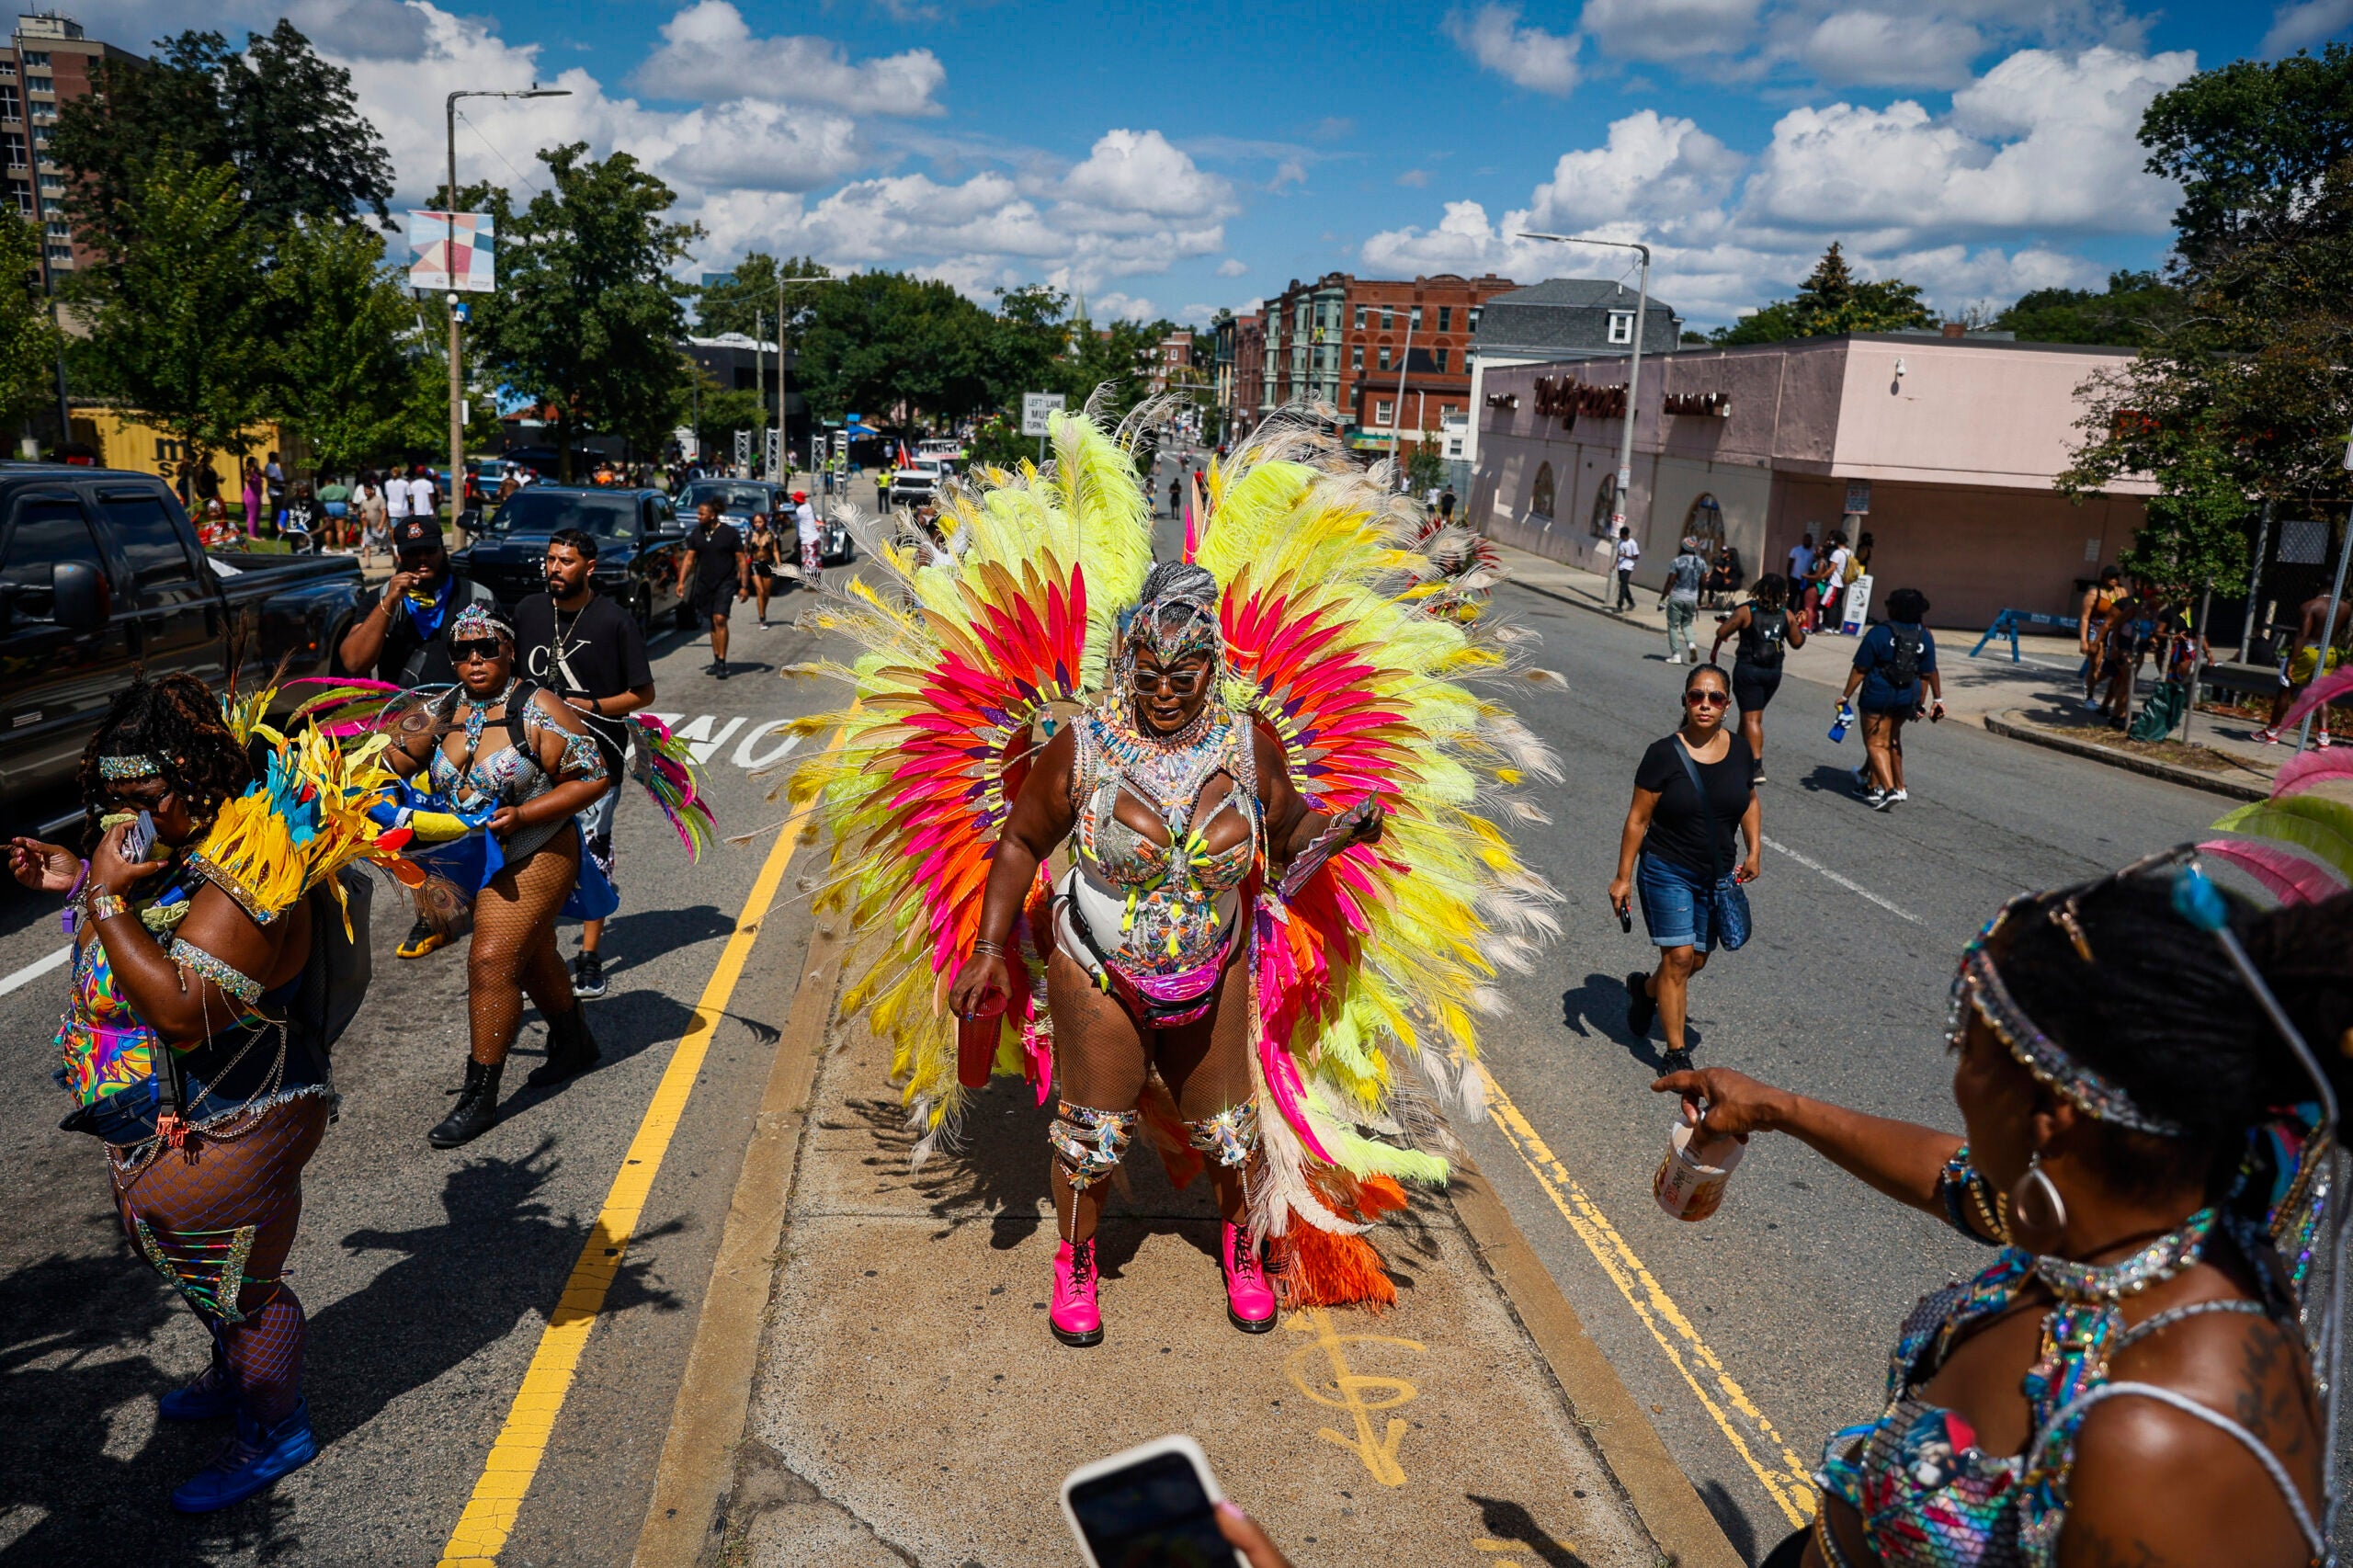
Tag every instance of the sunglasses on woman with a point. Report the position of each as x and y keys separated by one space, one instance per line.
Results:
x=1176 y=683
x=475 y=648
x=1702 y=698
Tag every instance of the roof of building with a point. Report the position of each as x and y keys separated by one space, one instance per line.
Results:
x=1558 y=314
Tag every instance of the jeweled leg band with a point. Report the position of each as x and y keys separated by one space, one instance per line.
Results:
x=1230 y=1137
x=1089 y=1143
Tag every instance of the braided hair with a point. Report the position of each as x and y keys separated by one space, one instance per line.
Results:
x=175 y=719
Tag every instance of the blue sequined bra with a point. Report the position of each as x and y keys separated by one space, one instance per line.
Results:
x=1926 y=1494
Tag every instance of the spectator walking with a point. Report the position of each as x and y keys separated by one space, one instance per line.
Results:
x=396 y=496
x=2091 y=627
x=1766 y=631
x=1893 y=662
x=723 y=574
x=762 y=547
x=375 y=520
x=335 y=500
x=1676 y=850
x=1837 y=568
x=1175 y=499
x=1446 y=505
x=1626 y=553
x=2131 y=632
x=1680 y=594
x=252 y=488
x=424 y=501
x=1801 y=581
x=2304 y=662
x=589 y=649
x=811 y=537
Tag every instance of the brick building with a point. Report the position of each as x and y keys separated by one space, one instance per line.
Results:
x=1238 y=369
x=1391 y=356
x=1172 y=362
x=47 y=63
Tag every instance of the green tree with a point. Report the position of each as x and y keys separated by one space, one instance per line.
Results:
x=2136 y=308
x=352 y=368
x=746 y=301
x=176 y=320
x=588 y=315
x=879 y=342
x=1832 y=301
x=29 y=337
x=1424 y=469
x=2250 y=392
x=285 y=118
x=717 y=413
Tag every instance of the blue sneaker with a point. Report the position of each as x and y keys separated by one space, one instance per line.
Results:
x=212 y=1395
x=251 y=1461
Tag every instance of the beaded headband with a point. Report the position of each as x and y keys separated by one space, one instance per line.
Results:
x=1979 y=987
x=1177 y=617
x=128 y=764
x=478 y=620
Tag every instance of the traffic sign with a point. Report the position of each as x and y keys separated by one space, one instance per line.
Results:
x=1035 y=406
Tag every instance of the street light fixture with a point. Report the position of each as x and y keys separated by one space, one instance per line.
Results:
x=457 y=372
x=1633 y=369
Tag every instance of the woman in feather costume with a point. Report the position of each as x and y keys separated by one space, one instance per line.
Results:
x=1271 y=761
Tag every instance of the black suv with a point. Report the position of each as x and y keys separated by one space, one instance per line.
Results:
x=638 y=541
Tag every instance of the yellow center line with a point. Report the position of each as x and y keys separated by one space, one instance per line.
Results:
x=1789 y=1486
x=506 y=1475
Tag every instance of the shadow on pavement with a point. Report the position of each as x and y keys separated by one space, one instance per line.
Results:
x=646 y=934
x=1598 y=1006
x=1512 y=1522
x=1719 y=1502
x=1830 y=779
x=457 y=1286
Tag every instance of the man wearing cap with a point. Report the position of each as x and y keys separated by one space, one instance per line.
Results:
x=804 y=524
x=398 y=638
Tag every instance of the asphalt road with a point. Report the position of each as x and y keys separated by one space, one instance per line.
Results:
x=428 y=1275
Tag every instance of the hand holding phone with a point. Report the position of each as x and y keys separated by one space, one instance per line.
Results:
x=139 y=839
x=1151 y=1506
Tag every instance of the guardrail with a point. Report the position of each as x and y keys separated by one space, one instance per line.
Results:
x=2006 y=624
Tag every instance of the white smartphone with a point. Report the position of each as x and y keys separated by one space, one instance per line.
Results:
x=1150 y=1506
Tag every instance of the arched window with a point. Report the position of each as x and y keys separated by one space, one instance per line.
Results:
x=1605 y=505
x=1705 y=522
x=1539 y=500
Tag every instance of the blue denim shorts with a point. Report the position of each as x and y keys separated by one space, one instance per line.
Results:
x=1677 y=910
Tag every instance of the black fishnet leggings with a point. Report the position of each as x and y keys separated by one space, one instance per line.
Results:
x=1102 y=1061
x=191 y=1199
x=513 y=946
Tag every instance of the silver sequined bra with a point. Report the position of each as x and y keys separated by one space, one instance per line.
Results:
x=508 y=778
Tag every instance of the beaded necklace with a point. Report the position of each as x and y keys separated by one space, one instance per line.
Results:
x=478 y=712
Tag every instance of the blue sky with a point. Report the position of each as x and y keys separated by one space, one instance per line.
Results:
x=1169 y=160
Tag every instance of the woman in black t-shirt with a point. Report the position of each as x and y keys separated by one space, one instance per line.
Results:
x=1677 y=850
x=1766 y=631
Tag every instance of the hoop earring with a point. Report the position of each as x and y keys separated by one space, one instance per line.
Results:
x=2036 y=1202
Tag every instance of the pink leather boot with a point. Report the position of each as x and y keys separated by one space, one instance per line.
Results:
x=1249 y=1299
x=1073 y=1317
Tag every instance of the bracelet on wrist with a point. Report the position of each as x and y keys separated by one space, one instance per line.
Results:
x=982 y=946
x=106 y=906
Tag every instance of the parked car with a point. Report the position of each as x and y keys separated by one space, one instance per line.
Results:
x=638 y=541
x=101 y=574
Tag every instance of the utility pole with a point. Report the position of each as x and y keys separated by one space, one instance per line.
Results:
x=1633 y=369
x=450 y=277
x=1397 y=415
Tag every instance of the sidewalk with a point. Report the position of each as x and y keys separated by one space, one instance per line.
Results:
x=907 y=1404
x=2035 y=700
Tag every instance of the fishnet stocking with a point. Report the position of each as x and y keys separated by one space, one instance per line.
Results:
x=513 y=946
x=1102 y=1060
x=190 y=1198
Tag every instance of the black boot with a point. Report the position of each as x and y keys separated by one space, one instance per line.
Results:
x=477 y=1108
x=571 y=1048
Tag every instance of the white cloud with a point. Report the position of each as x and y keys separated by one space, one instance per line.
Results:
x=1528 y=57
x=2307 y=25
x=1873 y=49
x=1669 y=30
x=1232 y=267
x=1139 y=172
x=763 y=146
x=2039 y=142
x=707 y=51
x=1414 y=177
x=2043 y=144
x=1122 y=307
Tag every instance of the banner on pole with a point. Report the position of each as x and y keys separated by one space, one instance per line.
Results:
x=452 y=252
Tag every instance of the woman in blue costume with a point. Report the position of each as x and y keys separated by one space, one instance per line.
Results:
x=512 y=761
x=2149 y=1141
x=187 y=1046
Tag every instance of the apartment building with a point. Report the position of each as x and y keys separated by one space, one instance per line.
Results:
x=46 y=64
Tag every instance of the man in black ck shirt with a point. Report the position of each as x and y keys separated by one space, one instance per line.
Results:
x=723 y=574
x=587 y=649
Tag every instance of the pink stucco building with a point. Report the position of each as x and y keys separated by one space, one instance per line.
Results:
x=1944 y=448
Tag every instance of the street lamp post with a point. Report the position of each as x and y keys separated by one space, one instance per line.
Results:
x=1634 y=369
x=449 y=276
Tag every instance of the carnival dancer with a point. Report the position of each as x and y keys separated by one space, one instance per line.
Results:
x=195 y=1040
x=513 y=759
x=2149 y=1137
x=1279 y=894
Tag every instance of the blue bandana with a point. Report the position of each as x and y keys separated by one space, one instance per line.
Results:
x=428 y=623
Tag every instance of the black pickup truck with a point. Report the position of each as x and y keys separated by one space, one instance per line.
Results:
x=638 y=544
x=101 y=574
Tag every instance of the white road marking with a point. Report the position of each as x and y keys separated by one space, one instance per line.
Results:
x=745 y=757
x=1854 y=887
x=35 y=969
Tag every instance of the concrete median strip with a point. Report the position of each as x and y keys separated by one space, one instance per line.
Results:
x=871 y=1381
